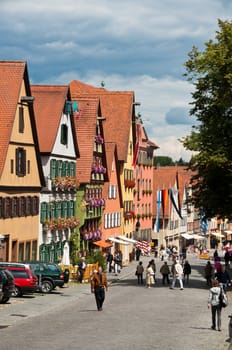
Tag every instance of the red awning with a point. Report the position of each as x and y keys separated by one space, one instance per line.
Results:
x=103 y=244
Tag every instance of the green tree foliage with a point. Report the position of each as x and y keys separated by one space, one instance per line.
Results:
x=167 y=161
x=163 y=161
x=210 y=72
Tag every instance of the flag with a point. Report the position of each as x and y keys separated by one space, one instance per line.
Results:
x=164 y=200
x=138 y=136
x=203 y=222
x=157 y=221
x=172 y=194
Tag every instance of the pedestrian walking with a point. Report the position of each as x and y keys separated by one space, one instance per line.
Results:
x=177 y=273
x=139 y=272
x=187 y=271
x=110 y=259
x=117 y=263
x=153 y=265
x=149 y=275
x=214 y=303
x=223 y=277
x=165 y=271
x=227 y=257
x=137 y=253
x=208 y=273
x=99 y=284
x=81 y=269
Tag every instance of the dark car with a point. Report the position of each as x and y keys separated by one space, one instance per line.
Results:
x=25 y=280
x=6 y=285
x=49 y=275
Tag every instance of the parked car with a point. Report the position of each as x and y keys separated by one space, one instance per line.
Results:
x=25 y=280
x=6 y=285
x=49 y=275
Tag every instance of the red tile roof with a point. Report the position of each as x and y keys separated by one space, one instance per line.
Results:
x=117 y=108
x=48 y=106
x=85 y=126
x=11 y=76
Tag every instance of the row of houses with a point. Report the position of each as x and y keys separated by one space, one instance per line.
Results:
x=76 y=173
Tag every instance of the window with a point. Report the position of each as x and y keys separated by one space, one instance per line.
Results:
x=64 y=134
x=20 y=162
x=28 y=250
x=112 y=220
x=52 y=210
x=7 y=207
x=12 y=166
x=28 y=209
x=21 y=120
x=21 y=251
x=58 y=209
x=14 y=207
x=59 y=168
x=53 y=169
x=71 y=208
x=28 y=167
x=22 y=206
x=44 y=212
x=72 y=169
x=66 y=168
x=34 y=250
x=35 y=205
x=64 y=209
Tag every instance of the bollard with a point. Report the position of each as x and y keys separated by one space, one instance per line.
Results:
x=230 y=327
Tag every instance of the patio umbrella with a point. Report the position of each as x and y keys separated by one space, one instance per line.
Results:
x=65 y=258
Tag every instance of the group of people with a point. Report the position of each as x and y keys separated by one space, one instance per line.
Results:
x=216 y=276
x=218 y=279
x=178 y=271
x=114 y=262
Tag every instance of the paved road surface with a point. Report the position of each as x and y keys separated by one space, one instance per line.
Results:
x=134 y=317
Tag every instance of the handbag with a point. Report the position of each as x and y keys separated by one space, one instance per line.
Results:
x=223 y=299
x=136 y=273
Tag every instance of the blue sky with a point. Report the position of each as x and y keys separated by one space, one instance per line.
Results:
x=130 y=45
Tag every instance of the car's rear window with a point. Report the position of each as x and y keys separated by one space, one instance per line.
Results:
x=20 y=273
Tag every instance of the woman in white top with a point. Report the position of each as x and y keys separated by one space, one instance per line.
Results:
x=149 y=275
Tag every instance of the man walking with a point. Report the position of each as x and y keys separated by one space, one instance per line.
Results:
x=177 y=273
x=165 y=271
x=98 y=285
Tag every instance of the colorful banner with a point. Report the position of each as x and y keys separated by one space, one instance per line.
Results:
x=174 y=202
x=138 y=136
x=157 y=221
x=164 y=200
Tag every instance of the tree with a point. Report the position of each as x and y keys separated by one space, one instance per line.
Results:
x=163 y=161
x=210 y=72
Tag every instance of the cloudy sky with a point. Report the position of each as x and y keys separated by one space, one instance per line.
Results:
x=129 y=44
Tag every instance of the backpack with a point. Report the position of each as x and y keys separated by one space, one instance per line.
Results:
x=223 y=298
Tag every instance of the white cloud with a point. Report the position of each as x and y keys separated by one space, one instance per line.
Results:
x=131 y=45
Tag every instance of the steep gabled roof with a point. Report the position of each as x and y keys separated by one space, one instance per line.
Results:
x=11 y=76
x=117 y=108
x=48 y=107
x=85 y=126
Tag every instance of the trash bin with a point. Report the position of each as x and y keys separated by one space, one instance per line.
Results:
x=66 y=275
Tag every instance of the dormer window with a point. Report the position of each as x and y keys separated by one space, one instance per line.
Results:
x=64 y=134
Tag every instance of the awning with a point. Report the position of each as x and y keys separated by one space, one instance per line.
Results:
x=187 y=236
x=112 y=239
x=126 y=239
x=195 y=236
x=217 y=234
x=103 y=244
